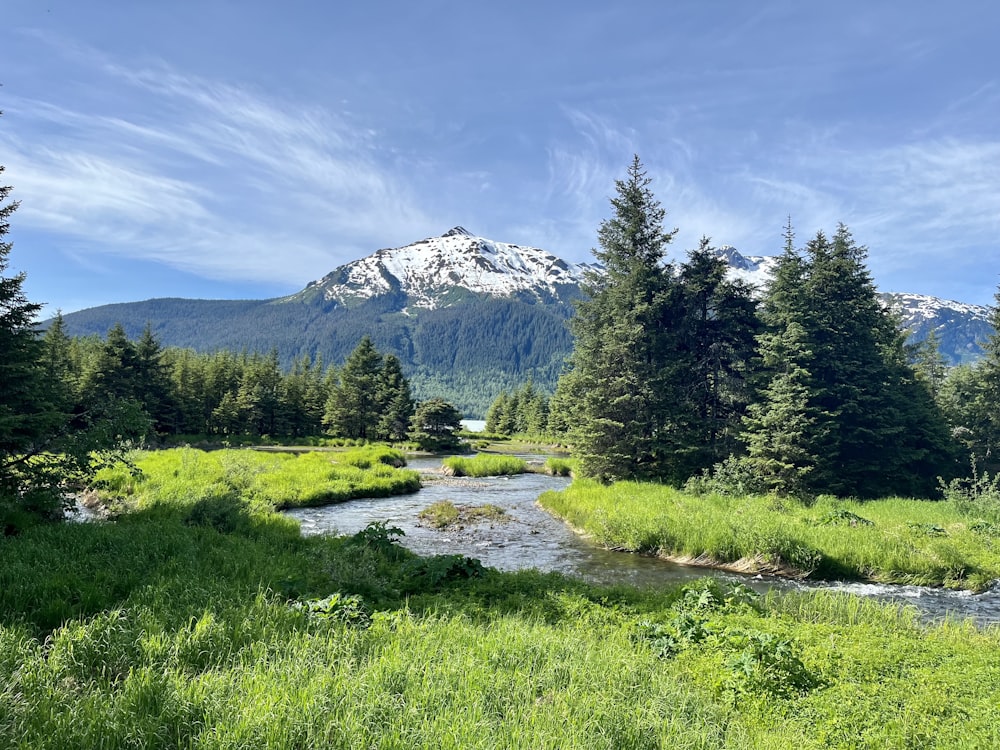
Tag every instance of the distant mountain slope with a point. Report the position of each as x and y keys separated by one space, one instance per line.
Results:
x=467 y=316
x=961 y=328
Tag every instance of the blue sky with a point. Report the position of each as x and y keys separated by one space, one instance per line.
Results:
x=241 y=149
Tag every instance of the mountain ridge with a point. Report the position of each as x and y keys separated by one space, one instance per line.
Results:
x=467 y=316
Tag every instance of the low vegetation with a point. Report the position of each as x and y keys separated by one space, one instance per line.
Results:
x=444 y=514
x=185 y=476
x=165 y=628
x=560 y=467
x=484 y=465
x=893 y=540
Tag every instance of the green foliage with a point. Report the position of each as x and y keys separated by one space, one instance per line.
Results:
x=435 y=425
x=733 y=476
x=148 y=632
x=349 y=609
x=977 y=496
x=659 y=378
x=216 y=483
x=484 y=465
x=525 y=411
x=560 y=467
x=829 y=539
x=49 y=446
x=496 y=344
x=840 y=410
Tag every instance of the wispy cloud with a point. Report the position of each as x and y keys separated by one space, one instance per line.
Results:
x=212 y=178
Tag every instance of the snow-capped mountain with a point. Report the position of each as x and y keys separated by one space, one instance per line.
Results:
x=960 y=328
x=467 y=316
x=754 y=269
x=429 y=272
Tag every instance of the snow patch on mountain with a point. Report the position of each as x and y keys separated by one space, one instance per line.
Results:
x=753 y=269
x=426 y=269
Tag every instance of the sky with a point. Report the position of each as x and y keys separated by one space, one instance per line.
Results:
x=241 y=149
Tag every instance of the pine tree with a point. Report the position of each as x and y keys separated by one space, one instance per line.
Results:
x=395 y=403
x=929 y=363
x=353 y=408
x=621 y=333
x=984 y=407
x=28 y=416
x=841 y=410
x=152 y=387
x=715 y=346
x=496 y=415
x=434 y=425
x=42 y=455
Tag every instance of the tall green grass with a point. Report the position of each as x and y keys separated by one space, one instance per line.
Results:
x=185 y=476
x=484 y=465
x=164 y=630
x=894 y=540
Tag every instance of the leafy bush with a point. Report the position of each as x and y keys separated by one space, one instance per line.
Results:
x=976 y=496
x=764 y=663
x=734 y=477
x=348 y=609
x=841 y=517
x=427 y=573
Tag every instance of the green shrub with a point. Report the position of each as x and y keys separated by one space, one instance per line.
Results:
x=976 y=496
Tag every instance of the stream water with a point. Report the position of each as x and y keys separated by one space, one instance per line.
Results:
x=531 y=538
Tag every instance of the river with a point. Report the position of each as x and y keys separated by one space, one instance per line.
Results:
x=532 y=538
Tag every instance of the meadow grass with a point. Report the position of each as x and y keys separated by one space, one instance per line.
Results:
x=166 y=629
x=894 y=540
x=560 y=466
x=187 y=476
x=484 y=465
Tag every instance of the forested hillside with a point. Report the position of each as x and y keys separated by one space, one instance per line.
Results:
x=466 y=354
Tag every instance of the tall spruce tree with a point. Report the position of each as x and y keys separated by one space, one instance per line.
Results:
x=28 y=416
x=395 y=401
x=841 y=410
x=352 y=410
x=715 y=346
x=621 y=331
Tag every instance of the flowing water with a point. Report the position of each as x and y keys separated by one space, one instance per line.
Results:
x=531 y=538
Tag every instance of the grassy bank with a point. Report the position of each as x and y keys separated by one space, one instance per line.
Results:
x=484 y=465
x=161 y=629
x=894 y=540
x=186 y=476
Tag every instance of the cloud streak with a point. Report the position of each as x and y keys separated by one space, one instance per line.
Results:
x=211 y=178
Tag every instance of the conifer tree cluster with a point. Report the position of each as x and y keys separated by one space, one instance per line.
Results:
x=657 y=384
x=185 y=393
x=676 y=370
x=840 y=409
x=47 y=450
x=524 y=411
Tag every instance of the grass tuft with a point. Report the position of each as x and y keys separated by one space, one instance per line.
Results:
x=484 y=465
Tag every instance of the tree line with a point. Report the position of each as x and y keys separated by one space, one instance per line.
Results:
x=677 y=372
x=182 y=392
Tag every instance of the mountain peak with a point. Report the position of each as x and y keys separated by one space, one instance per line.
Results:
x=735 y=259
x=438 y=271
